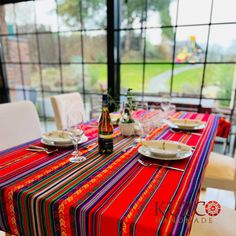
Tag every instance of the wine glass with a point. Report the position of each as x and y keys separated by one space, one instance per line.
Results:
x=75 y=133
x=165 y=103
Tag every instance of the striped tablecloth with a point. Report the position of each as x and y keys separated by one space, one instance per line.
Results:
x=110 y=195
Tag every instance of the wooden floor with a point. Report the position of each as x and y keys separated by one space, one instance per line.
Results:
x=225 y=198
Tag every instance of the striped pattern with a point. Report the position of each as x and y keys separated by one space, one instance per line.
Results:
x=112 y=194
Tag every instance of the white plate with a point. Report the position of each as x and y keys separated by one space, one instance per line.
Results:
x=165 y=148
x=58 y=136
x=186 y=124
x=142 y=150
x=60 y=144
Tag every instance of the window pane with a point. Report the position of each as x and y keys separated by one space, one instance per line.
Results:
x=132 y=13
x=95 y=49
x=161 y=13
x=157 y=78
x=219 y=81
x=94 y=14
x=25 y=17
x=13 y=75
x=28 y=48
x=131 y=77
x=222 y=43
x=51 y=78
x=48 y=46
x=7 y=19
x=132 y=46
x=71 y=47
x=191 y=44
x=96 y=78
x=224 y=11
x=159 y=45
x=194 y=12
x=187 y=80
x=10 y=48
x=72 y=77
x=46 y=17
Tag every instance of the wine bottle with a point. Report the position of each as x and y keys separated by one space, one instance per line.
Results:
x=105 y=129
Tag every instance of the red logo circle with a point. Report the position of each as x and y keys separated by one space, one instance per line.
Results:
x=213 y=208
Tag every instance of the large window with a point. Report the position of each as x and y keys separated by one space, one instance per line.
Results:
x=185 y=48
x=51 y=47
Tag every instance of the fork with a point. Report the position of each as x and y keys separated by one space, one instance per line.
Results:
x=41 y=150
x=152 y=164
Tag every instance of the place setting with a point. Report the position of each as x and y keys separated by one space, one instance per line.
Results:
x=163 y=150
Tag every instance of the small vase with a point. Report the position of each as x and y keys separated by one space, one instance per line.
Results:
x=127 y=129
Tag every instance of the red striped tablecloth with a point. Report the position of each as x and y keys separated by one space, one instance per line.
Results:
x=109 y=195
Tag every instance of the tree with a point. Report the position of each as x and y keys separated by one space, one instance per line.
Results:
x=131 y=10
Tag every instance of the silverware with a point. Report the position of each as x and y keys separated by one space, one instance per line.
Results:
x=41 y=150
x=152 y=164
x=37 y=147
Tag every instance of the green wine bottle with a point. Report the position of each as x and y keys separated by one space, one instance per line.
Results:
x=105 y=129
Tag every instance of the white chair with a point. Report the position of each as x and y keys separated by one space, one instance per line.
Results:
x=64 y=104
x=221 y=172
x=19 y=123
x=222 y=225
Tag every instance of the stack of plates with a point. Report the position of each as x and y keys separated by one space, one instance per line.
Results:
x=59 y=138
x=165 y=150
x=186 y=124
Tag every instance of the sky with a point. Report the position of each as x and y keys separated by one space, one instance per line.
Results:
x=190 y=12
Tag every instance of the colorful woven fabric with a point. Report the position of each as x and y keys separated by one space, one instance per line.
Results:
x=113 y=194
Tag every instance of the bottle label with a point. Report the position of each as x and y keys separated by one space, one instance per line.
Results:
x=105 y=145
x=106 y=136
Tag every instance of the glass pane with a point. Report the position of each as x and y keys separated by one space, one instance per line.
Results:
x=161 y=13
x=95 y=46
x=48 y=46
x=51 y=78
x=25 y=17
x=44 y=108
x=96 y=78
x=157 y=78
x=13 y=73
x=69 y=15
x=94 y=14
x=132 y=13
x=194 y=12
x=224 y=11
x=28 y=48
x=16 y=95
x=72 y=77
x=10 y=48
x=191 y=44
x=71 y=47
x=187 y=80
x=132 y=45
x=7 y=19
x=219 y=81
x=159 y=45
x=131 y=77
x=222 y=43
x=32 y=79
x=46 y=17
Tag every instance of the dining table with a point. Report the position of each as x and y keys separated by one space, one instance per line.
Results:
x=108 y=194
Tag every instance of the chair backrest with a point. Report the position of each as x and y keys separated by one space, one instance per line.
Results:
x=64 y=104
x=19 y=123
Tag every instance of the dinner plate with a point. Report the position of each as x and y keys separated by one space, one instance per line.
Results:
x=186 y=124
x=182 y=155
x=61 y=144
x=166 y=149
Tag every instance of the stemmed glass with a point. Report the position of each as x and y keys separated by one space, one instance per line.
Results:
x=165 y=103
x=75 y=133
